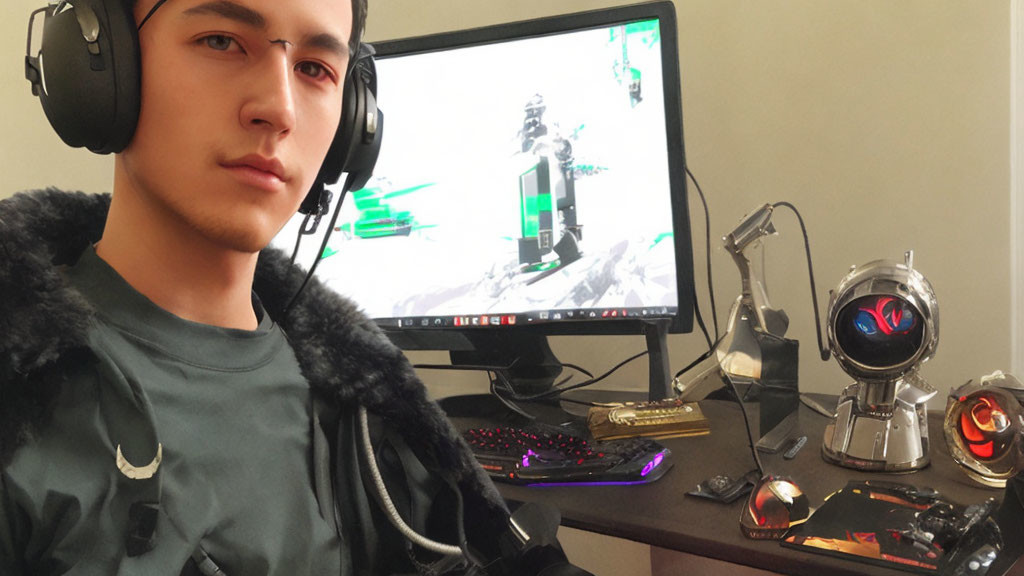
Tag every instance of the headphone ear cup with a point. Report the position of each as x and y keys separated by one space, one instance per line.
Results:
x=363 y=152
x=356 y=144
x=90 y=91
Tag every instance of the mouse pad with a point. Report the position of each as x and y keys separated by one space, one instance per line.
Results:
x=878 y=523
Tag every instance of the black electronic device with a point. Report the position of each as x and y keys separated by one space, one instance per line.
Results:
x=724 y=488
x=904 y=527
x=538 y=190
x=87 y=75
x=544 y=455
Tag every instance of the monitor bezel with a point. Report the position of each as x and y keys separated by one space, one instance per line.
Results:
x=664 y=12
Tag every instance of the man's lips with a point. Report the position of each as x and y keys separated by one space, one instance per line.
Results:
x=270 y=167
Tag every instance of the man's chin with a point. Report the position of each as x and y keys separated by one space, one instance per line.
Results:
x=236 y=238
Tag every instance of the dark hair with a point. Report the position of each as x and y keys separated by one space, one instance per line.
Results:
x=358 y=22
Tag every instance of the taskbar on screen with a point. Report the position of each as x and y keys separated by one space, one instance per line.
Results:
x=528 y=318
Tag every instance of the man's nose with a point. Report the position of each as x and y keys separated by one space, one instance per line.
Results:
x=270 y=104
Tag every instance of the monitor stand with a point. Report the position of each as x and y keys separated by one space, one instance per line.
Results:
x=659 y=386
x=523 y=358
x=526 y=362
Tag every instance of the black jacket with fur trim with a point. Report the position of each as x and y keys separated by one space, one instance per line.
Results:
x=347 y=361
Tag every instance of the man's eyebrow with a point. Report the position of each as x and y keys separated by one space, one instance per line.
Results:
x=231 y=11
x=328 y=42
x=253 y=19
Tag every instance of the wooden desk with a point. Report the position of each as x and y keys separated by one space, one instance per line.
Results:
x=662 y=515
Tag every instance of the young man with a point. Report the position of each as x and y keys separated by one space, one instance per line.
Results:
x=154 y=416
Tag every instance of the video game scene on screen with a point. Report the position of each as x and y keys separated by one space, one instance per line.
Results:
x=548 y=191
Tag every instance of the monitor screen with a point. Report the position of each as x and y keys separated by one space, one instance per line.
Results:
x=529 y=174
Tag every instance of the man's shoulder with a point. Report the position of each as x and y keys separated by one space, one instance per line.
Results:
x=43 y=320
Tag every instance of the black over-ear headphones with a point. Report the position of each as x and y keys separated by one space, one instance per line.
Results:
x=87 y=75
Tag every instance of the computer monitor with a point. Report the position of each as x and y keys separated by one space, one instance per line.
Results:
x=530 y=182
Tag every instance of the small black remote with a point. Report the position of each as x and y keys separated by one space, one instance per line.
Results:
x=797 y=445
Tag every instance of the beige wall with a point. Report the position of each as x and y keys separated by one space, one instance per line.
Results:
x=886 y=123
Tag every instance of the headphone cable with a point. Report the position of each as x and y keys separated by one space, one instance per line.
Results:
x=298 y=238
x=323 y=245
x=825 y=353
x=150 y=14
x=707 y=253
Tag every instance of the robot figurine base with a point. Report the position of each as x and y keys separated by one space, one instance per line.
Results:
x=883 y=323
x=881 y=426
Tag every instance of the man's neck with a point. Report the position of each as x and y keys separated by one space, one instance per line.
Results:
x=177 y=268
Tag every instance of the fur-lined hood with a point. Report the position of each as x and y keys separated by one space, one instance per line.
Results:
x=44 y=323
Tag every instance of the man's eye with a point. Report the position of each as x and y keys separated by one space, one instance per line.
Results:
x=313 y=70
x=219 y=42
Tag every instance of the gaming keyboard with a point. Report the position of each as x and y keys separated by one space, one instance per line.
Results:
x=546 y=456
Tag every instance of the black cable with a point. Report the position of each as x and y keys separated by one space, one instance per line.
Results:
x=700 y=319
x=757 y=385
x=323 y=245
x=611 y=371
x=699 y=359
x=150 y=14
x=810 y=271
x=493 y=376
x=487 y=368
x=746 y=423
x=496 y=373
x=712 y=346
x=580 y=402
x=577 y=368
x=585 y=383
x=298 y=238
x=707 y=244
x=763 y=386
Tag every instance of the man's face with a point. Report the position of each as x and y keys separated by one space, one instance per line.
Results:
x=240 y=103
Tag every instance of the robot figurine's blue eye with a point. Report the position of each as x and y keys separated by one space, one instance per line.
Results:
x=906 y=323
x=865 y=322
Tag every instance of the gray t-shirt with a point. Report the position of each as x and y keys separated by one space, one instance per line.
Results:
x=232 y=412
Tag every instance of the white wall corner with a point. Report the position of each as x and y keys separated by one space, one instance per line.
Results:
x=1017 y=185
